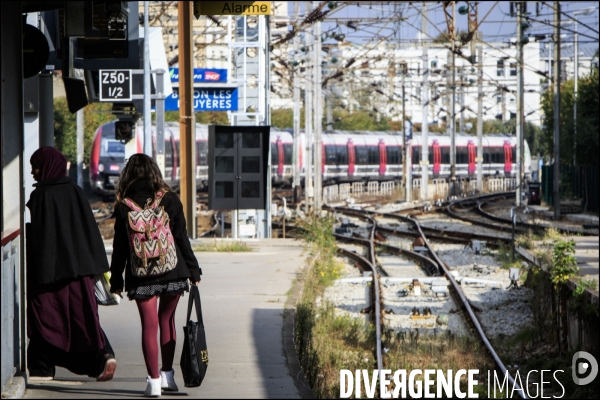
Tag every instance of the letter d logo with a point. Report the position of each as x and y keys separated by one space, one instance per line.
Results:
x=583 y=367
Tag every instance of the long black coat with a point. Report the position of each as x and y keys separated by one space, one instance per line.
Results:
x=63 y=240
x=187 y=264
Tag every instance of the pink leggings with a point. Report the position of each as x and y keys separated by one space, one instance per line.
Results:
x=151 y=320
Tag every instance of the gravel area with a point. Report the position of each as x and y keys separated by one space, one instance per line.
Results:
x=399 y=308
x=441 y=221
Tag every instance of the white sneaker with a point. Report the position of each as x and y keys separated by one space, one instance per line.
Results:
x=153 y=388
x=168 y=381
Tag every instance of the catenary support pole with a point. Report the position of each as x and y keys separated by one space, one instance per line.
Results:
x=452 y=121
x=425 y=108
x=160 y=121
x=147 y=94
x=318 y=113
x=519 y=127
x=187 y=168
x=297 y=152
x=480 y=119
x=556 y=194
x=308 y=108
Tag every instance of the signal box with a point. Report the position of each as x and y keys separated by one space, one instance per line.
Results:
x=238 y=159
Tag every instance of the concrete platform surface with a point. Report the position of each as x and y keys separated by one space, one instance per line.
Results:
x=243 y=297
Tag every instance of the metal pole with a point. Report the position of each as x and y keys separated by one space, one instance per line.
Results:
x=519 y=121
x=147 y=94
x=318 y=93
x=405 y=165
x=80 y=147
x=452 y=121
x=308 y=115
x=480 y=120
x=461 y=126
x=575 y=94
x=46 y=134
x=186 y=117
x=556 y=191
x=160 y=121
x=329 y=101
x=425 y=107
x=296 y=183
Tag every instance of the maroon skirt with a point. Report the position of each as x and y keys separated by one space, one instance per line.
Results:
x=65 y=314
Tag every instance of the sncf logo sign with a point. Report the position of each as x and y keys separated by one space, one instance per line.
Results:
x=212 y=76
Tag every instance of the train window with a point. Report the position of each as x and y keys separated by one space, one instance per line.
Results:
x=330 y=155
x=342 y=154
x=416 y=155
x=514 y=155
x=394 y=155
x=430 y=155
x=362 y=155
x=168 y=154
x=462 y=155
x=486 y=155
x=445 y=155
x=274 y=154
x=115 y=147
x=373 y=154
x=201 y=152
x=497 y=155
x=288 y=154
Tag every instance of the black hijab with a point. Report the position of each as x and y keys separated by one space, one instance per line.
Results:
x=63 y=240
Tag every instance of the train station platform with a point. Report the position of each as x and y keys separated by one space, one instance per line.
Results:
x=243 y=302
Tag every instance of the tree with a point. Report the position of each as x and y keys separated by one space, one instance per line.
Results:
x=588 y=121
x=65 y=127
x=203 y=117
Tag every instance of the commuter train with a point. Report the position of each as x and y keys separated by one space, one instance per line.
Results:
x=346 y=156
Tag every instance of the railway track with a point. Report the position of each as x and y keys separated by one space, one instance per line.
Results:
x=431 y=264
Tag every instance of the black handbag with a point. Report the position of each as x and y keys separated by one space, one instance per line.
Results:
x=194 y=358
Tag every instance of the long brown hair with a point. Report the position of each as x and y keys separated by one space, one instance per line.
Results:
x=140 y=167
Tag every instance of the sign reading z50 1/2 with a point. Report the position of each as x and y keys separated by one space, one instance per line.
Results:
x=115 y=85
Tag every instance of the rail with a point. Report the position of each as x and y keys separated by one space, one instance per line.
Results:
x=441 y=269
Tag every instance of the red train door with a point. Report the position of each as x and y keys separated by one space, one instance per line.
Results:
x=507 y=157
x=351 y=158
x=471 y=151
x=437 y=158
x=280 y=156
x=382 y=157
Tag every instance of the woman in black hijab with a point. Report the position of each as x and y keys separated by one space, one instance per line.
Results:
x=64 y=252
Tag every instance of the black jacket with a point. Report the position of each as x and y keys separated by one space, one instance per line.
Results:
x=187 y=264
x=63 y=240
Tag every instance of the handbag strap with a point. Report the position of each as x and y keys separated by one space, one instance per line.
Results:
x=195 y=299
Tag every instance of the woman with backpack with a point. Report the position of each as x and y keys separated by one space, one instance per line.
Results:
x=152 y=247
x=64 y=254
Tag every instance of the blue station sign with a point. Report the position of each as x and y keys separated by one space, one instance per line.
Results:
x=202 y=75
x=207 y=99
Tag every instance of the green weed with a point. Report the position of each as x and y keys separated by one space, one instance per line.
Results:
x=223 y=247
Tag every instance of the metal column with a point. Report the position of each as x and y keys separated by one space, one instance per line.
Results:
x=425 y=108
x=556 y=194
x=46 y=107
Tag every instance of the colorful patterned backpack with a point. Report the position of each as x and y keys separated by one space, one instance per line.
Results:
x=150 y=239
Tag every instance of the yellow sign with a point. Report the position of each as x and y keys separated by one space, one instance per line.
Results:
x=232 y=8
